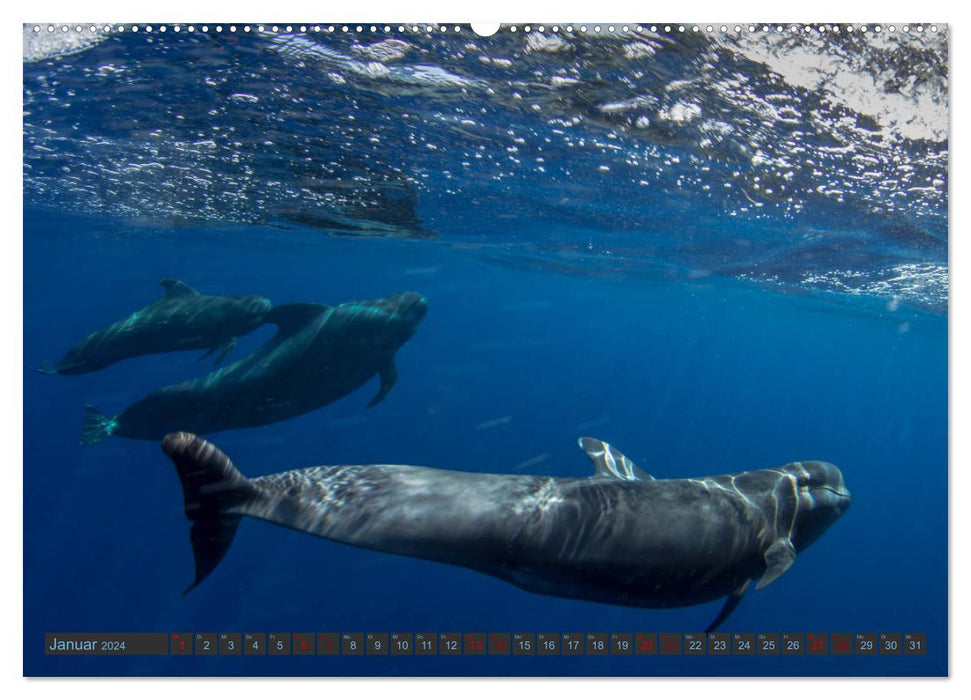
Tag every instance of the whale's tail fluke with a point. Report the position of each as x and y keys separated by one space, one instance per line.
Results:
x=212 y=487
x=96 y=427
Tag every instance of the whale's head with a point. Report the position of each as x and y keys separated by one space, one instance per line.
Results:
x=383 y=325
x=821 y=498
x=406 y=309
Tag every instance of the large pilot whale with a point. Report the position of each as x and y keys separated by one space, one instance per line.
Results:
x=319 y=354
x=617 y=537
x=182 y=319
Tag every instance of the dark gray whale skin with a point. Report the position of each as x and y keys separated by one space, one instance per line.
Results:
x=319 y=354
x=618 y=537
x=182 y=319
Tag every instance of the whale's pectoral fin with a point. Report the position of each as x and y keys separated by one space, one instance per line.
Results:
x=611 y=462
x=212 y=487
x=731 y=602
x=227 y=348
x=778 y=559
x=175 y=289
x=389 y=375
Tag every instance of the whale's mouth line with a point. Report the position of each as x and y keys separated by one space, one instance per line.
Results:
x=841 y=494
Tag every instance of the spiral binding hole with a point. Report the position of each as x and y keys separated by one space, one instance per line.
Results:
x=863 y=29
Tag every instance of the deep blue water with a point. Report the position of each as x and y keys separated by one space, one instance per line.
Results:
x=669 y=243
x=687 y=379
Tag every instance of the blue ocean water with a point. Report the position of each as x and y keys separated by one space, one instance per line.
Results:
x=699 y=336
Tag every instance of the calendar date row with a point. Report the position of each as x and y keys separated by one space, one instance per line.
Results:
x=375 y=644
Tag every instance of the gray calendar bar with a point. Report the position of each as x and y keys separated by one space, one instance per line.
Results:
x=518 y=644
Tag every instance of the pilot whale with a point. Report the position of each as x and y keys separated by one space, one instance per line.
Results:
x=319 y=354
x=182 y=319
x=617 y=537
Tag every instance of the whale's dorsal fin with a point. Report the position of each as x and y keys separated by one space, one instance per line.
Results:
x=175 y=289
x=778 y=559
x=611 y=462
x=290 y=317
